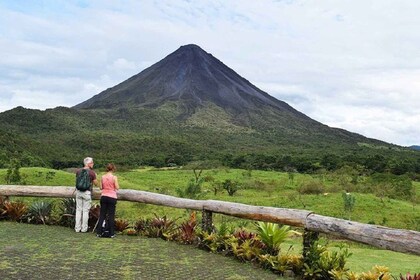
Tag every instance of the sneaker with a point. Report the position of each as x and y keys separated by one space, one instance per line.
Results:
x=98 y=235
x=112 y=236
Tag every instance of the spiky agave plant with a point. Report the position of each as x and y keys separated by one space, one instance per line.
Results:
x=40 y=212
x=67 y=208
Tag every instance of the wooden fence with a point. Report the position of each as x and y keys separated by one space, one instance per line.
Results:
x=400 y=240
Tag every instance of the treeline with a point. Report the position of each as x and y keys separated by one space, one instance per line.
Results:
x=367 y=164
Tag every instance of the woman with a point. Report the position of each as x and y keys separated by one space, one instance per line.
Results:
x=109 y=187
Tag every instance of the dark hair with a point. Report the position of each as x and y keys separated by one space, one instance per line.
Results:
x=110 y=167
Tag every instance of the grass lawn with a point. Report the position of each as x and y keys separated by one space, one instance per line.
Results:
x=52 y=252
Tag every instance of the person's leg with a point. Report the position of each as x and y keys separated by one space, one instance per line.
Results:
x=101 y=217
x=87 y=201
x=111 y=215
x=78 y=218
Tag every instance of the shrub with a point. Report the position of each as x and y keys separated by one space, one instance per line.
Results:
x=230 y=186
x=311 y=187
x=40 y=212
x=14 y=210
x=193 y=189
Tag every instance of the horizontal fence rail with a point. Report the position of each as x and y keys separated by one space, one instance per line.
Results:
x=407 y=241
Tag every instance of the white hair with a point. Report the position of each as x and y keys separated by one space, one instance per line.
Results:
x=87 y=160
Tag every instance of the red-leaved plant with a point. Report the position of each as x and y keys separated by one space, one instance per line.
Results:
x=409 y=277
x=187 y=228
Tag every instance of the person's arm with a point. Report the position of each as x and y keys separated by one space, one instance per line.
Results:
x=117 y=186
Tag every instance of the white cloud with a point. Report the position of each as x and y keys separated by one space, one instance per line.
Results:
x=350 y=64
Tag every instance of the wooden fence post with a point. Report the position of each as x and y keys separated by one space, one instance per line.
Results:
x=309 y=238
x=207 y=221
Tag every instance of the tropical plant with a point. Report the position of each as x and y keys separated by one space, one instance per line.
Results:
x=187 y=230
x=408 y=276
x=121 y=225
x=14 y=210
x=248 y=250
x=161 y=227
x=377 y=272
x=273 y=236
x=67 y=209
x=40 y=212
x=213 y=242
x=319 y=263
x=141 y=225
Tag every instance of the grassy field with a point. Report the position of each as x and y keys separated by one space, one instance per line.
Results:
x=267 y=188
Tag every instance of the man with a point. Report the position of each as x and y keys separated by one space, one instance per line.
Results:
x=84 y=198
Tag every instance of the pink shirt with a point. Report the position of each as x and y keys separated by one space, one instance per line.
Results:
x=108 y=186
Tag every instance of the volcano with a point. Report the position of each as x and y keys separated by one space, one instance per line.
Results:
x=187 y=106
x=192 y=77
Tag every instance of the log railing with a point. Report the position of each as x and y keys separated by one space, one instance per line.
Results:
x=400 y=240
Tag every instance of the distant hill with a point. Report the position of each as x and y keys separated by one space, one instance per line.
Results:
x=415 y=147
x=185 y=107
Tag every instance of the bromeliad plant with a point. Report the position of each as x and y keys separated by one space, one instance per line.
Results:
x=273 y=236
x=408 y=276
x=40 y=212
x=121 y=225
x=161 y=227
x=187 y=230
x=14 y=210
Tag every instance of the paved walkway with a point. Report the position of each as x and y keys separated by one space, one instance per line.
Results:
x=50 y=252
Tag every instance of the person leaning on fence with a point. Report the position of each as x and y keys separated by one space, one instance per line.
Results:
x=109 y=187
x=85 y=179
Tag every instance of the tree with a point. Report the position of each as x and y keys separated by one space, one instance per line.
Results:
x=13 y=173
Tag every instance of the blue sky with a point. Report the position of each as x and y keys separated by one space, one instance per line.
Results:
x=351 y=64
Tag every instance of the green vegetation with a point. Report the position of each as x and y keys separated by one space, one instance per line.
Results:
x=268 y=188
x=60 y=138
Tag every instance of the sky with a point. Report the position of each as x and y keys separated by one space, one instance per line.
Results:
x=352 y=64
